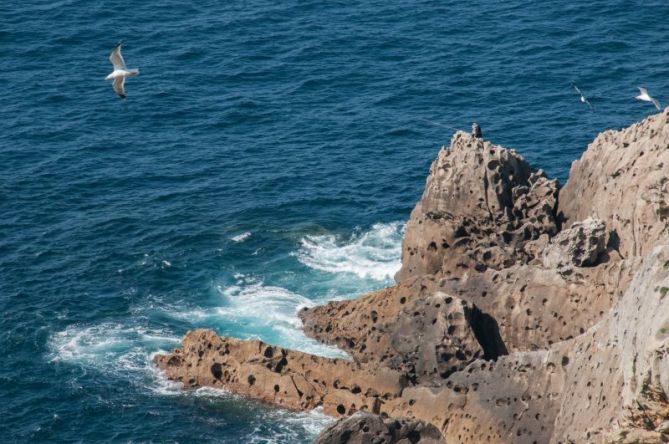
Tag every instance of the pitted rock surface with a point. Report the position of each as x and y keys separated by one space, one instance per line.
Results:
x=364 y=428
x=501 y=329
x=622 y=180
x=285 y=377
x=482 y=204
x=535 y=307
x=581 y=245
x=424 y=335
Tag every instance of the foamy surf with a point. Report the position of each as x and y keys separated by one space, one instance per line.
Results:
x=114 y=349
x=373 y=254
x=273 y=313
x=249 y=309
x=292 y=426
x=104 y=343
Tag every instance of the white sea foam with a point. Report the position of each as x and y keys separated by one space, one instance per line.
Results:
x=267 y=305
x=313 y=422
x=280 y=426
x=249 y=309
x=372 y=254
x=127 y=352
x=110 y=348
x=159 y=383
x=273 y=311
x=241 y=237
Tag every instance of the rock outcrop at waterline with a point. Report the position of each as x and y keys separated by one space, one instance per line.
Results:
x=363 y=428
x=523 y=313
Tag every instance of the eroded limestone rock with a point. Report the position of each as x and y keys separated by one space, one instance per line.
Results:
x=426 y=335
x=292 y=379
x=501 y=329
x=364 y=428
x=481 y=205
x=581 y=245
x=622 y=180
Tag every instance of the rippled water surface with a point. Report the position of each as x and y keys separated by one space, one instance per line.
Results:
x=265 y=159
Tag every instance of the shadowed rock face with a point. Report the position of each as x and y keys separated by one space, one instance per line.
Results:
x=368 y=429
x=424 y=334
x=502 y=328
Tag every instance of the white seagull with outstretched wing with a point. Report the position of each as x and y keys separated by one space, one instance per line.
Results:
x=646 y=98
x=120 y=72
x=583 y=98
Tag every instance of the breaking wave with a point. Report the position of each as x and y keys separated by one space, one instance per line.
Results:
x=373 y=254
x=252 y=310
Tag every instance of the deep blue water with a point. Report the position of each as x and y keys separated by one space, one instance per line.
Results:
x=266 y=158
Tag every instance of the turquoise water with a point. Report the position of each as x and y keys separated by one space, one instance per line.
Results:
x=266 y=159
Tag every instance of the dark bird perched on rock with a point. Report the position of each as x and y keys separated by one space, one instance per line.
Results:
x=476 y=131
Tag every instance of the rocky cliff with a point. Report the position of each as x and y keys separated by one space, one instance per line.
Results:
x=523 y=313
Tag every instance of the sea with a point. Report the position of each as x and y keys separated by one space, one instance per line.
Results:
x=266 y=159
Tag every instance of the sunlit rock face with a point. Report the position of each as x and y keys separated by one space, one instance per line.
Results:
x=522 y=313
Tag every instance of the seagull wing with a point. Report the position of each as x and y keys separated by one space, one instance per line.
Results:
x=656 y=103
x=643 y=91
x=439 y=124
x=118 y=86
x=576 y=88
x=116 y=58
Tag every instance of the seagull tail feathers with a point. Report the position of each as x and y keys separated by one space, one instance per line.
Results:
x=133 y=72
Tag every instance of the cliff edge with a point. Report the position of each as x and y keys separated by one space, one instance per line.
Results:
x=523 y=313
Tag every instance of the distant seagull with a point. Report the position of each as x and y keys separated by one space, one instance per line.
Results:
x=583 y=99
x=646 y=98
x=120 y=71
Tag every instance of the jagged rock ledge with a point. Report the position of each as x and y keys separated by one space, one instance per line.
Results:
x=523 y=313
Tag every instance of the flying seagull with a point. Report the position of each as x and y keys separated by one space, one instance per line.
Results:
x=120 y=71
x=583 y=99
x=646 y=98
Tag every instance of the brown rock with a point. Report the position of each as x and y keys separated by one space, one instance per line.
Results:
x=622 y=180
x=364 y=428
x=482 y=203
x=288 y=378
x=535 y=307
x=582 y=312
x=425 y=335
x=581 y=245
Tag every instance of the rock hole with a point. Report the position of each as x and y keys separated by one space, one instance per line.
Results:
x=269 y=352
x=217 y=370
